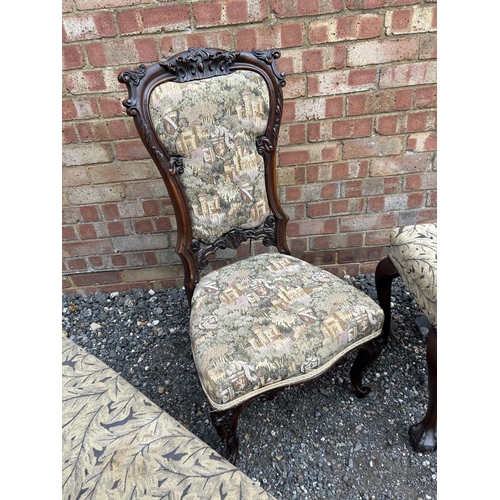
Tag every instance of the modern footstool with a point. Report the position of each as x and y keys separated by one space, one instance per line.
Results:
x=413 y=256
x=117 y=444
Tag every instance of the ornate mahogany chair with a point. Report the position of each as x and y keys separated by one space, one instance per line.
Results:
x=413 y=256
x=210 y=120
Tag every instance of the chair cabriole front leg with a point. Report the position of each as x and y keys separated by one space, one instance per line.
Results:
x=226 y=425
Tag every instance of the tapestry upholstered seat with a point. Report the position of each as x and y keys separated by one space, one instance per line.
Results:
x=210 y=120
x=413 y=256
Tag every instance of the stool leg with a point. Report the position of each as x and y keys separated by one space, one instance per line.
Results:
x=384 y=274
x=423 y=435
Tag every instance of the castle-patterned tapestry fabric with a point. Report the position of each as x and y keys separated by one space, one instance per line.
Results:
x=213 y=125
x=272 y=320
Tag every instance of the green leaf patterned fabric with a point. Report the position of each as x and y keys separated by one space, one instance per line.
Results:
x=213 y=125
x=413 y=251
x=273 y=320
x=117 y=444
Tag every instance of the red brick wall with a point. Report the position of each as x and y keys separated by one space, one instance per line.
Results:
x=357 y=150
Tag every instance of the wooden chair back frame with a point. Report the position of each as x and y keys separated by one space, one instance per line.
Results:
x=197 y=64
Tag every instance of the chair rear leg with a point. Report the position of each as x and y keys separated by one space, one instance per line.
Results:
x=367 y=353
x=226 y=425
x=384 y=274
x=423 y=435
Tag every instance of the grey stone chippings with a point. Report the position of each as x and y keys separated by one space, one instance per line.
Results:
x=313 y=441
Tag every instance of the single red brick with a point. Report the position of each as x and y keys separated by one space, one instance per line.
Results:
x=401 y=20
x=150 y=258
x=118 y=129
x=288 y=112
x=131 y=150
x=376 y=204
x=99 y=278
x=89 y=213
x=293 y=193
x=73 y=57
x=150 y=207
x=116 y=228
x=68 y=233
x=143 y=226
x=432 y=199
x=111 y=107
x=96 y=262
x=297 y=133
x=163 y=224
x=292 y=34
x=329 y=191
x=340 y=207
x=387 y=125
x=426 y=97
x=314 y=131
x=319 y=242
x=319 y=34
x=111 y=211
x=362 y=76
x=90 y=247
x=77 y=264
x=330 y=153
x=334 y=107
x=370 y=27
x=307 y=7
x=246 y=39
x=352 y=188
x=176 y=17
x=319 y=209
x=392 y=184
x=68 y=110
x=297 y=157
x=416 y=200
x=209 y=13
x=94 y=80
x=413 y=182
x=237 y=11
x=69 y=134
x=356 y=104
x=105 y=24
x=312 y=60
x=96 y=54
x=129 y=22
x=146 y=49
x=416 y=122
x=87 y=231
x=118 y=260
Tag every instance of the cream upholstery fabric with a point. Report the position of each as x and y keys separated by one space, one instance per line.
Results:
x=273 y=320
x=117 y=444
x=413 y=251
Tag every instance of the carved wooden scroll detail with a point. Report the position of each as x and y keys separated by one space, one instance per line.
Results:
x=233 y=239
x=200 y=63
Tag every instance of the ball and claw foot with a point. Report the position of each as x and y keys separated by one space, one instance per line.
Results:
x=422 y=439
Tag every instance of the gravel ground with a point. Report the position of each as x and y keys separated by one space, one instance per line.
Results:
x=311 y=442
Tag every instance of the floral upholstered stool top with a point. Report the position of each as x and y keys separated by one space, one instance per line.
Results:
x=413 y=251
x=117 y=444
x=413 y=256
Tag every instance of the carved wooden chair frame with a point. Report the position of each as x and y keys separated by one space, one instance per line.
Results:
x=202 y=63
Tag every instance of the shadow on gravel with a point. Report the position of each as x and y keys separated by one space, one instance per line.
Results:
x=312 y=442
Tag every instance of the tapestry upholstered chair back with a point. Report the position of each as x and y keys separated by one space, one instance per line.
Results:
x=213 y=126
x=210 y=120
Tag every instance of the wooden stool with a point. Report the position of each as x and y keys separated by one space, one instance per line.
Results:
x=413 y=256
